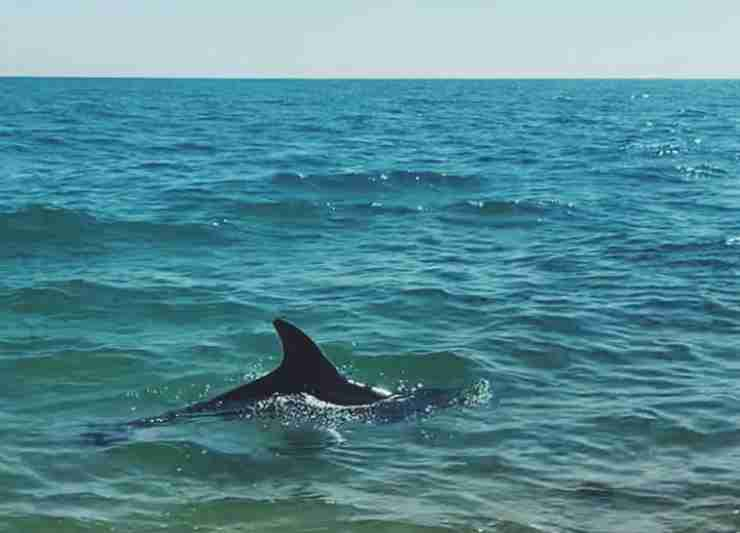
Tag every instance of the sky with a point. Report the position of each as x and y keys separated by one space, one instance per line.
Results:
x=371 y=38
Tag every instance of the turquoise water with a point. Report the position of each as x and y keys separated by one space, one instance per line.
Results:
x=576 y=244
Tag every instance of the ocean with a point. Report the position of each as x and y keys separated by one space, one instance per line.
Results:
x=575 y=244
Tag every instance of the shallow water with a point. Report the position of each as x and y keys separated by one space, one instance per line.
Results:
x=576 y=244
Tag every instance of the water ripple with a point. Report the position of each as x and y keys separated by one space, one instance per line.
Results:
x=572 y=243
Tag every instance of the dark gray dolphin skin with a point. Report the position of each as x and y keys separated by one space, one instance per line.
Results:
x=304 y=369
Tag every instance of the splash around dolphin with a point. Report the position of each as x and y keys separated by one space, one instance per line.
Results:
x=307 y=388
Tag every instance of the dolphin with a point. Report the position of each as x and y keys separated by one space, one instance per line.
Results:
x=304 y=370
x=307 y=385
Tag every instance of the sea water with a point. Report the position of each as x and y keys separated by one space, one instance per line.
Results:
x=574 y=244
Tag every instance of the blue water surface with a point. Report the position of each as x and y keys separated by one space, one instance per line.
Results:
x=575 y=244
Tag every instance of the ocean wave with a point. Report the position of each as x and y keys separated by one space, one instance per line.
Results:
x=51 y=140
x=84 y=298
x=507 y=208
x=197 y=147
x=660 y=149
x=703 y=170
x=160 y=164
x=287 y=209
x=504 y=213
x=43 y=300
x=692 y=113
x=281 y=210
x=370 y=181
x=36 y=224
x=700 y=254
x=44 y=221
x=439 y=294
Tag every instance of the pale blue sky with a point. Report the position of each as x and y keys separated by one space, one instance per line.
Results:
x=373 y=38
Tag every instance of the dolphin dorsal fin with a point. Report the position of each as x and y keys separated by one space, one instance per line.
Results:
x=303 y=361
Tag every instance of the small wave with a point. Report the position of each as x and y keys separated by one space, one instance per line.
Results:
x=281 y=210
x=354 y=181
x=500 y=211
x=161 y=164
x=43 y=300
x=505 y=213
x=43 y=221
x=495 y=208
x=562 y=98
x=692 y=112
x=386 y=208
x=432 y=178
x=195 y=147
x=285 y=210
x=39 y=223
x=155 y=300
x=52 y=141
x=430 y=293
x=74 y=295
x=665 y=149
x=705 y=170
x=702 y=254
x=656 y=149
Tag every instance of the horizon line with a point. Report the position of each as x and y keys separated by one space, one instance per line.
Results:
x=370 y=78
